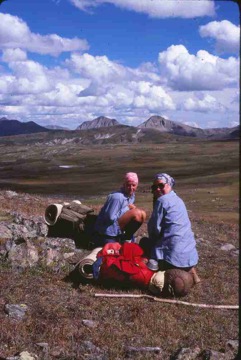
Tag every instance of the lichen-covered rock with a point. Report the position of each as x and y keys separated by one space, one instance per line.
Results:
x=34 y=225
x=16 y=311
x=24 y=243
x=5 y=232
x=23 y=255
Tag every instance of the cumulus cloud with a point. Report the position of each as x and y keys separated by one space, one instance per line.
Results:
x=225 y=34
x=104 y=74
x=85 y=86
x=151 y=97
x=95 y=67
x=205 y=103
x=203 y=71
x=10 y=55
x=236 y=98
x=14 y=33
x=116 y=85
x=155 y=8
x=28 y=77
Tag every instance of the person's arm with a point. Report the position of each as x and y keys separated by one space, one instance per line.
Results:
x=113 y=208
x=131 y=206
x=155 y=222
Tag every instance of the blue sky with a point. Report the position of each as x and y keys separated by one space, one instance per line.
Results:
x=63 y=62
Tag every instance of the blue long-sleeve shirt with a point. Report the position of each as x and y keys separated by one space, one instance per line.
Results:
x=170 y=231
x=115 y=206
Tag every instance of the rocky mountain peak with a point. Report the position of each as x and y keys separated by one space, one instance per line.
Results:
x=99 y=122
x=173 y=127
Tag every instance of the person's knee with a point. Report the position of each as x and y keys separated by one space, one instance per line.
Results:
x=143 y=215
x=139 y=215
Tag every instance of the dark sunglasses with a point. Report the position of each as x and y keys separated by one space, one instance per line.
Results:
x=158 y=186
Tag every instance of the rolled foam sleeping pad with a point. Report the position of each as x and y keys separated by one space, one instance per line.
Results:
x=85 y=264
x=52 y=213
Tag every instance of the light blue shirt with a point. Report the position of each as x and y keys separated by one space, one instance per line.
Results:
x=170 y=230
x=115 y=206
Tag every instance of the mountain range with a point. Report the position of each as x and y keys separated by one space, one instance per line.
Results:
x=104 y=128
x=15 y=127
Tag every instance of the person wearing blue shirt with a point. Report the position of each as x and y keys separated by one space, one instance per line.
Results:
x=171 y=238
x=119 y=218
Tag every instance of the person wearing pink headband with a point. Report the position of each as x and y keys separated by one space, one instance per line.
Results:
x=131 y=176
x=119 y=218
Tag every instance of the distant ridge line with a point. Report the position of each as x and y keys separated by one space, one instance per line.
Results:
x=150 y=128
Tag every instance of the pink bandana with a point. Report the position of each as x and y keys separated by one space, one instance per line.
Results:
x=131 y=176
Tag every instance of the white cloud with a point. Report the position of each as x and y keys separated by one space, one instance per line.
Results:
x=14 y=55
x=234 y=123
x=203 y=71
x=206 y=103
x=151 y=97
x=29 y=77
x=191 y=123
x=104 y=74
x=226 y=35
x=88 y=83
x=236 y=98
x=99 y=68
x=14 y=33
x=155 y=8
x=112 y=84
x=86 y=86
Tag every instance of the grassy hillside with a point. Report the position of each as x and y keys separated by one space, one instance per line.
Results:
x=207 y=178
x=202 y=170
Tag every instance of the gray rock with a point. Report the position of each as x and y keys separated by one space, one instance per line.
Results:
x=232 y=345
x=57 y=352
x=5 y=232
x=25 y=355
x=23 y=255
x=52 y=256
x=16 y=311
x=5 y=246
x=203 y=241
x=11 y=194
x=35 y=225
x=60 y=243
x=187 y=354
x=24 y=248
x=210 y=354
x=90 y=323
x=143 y=349
x=227 y=247
x=235 y=252
x=89 y=346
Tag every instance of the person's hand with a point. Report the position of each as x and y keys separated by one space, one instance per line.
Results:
x=131 y=206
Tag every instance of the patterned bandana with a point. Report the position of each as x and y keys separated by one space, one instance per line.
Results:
x=131 y=176
x=165 y=178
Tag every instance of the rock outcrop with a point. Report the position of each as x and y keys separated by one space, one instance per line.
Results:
x=25 y=243
x=99 y=122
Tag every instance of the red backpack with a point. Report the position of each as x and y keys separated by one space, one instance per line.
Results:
x=124 y=264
